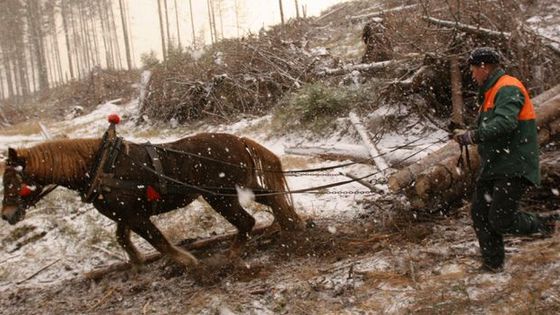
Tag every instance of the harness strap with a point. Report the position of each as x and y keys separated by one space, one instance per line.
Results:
x=461 y=160
x=156 y=162
x=110 y=182
x=104 y=162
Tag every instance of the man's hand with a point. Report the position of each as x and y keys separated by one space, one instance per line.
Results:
x=463 y=137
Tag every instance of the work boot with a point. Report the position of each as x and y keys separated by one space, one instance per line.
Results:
x=548 y=222
x=486 y=268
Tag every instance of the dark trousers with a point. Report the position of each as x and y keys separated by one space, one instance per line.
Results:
x=495 y=212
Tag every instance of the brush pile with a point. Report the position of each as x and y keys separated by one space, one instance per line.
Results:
x=234 y=76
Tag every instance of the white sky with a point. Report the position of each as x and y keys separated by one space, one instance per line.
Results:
x=144 y=21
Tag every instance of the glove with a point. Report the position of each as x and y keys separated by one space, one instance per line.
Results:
x=463 y=137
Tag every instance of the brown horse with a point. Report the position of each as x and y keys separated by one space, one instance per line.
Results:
x=210 y=165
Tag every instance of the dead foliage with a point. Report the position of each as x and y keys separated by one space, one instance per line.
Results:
x=246 y=75
x=99 y=86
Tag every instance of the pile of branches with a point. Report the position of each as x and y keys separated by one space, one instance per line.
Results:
x=100 y=86
x=246 y=75
x=440 y=33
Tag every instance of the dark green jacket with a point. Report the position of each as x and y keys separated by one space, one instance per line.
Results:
x=507 y=146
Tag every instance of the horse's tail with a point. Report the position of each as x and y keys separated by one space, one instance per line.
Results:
x=269 y=175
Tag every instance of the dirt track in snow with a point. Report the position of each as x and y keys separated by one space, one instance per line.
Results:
x=335 y=267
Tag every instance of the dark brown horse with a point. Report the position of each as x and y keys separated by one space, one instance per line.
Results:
x=210 y=165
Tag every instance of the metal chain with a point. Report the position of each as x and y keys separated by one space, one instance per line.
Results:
x=344 y=192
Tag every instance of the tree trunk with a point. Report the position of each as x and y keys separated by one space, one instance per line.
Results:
x=210 y=22
x=456 y=94
x=192 y=24
x=93 y=33
x=372 y=149
x=76 y=43
x=356 y=153
x=125 y=36
x=220 y=15
x=36 y=35
x=162 y=31
x=118 y=57
x=63 y=12
x=281 y=11
x=297 y=8
x=169 y=43
x=105 y=36
x=87 y=51
x=212 y=10
x=237 y=8
x=7 y=70
x=177 y=22
x=32 y=78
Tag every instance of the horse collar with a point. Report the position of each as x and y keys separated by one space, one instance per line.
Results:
x=103 y=163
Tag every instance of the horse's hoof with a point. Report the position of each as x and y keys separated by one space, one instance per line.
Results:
x=173 y=271
x=310 y=224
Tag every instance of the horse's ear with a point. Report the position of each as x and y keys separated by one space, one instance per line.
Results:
x=13 y=158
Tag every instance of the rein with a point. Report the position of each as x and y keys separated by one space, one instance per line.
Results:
x=218 y=191
x=291 y=172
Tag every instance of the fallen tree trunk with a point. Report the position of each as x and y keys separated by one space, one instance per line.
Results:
x=546 y=116
x=365 y=67
x=356 y=153
x=372 y=149
x=467 y=28
x=443 y=183
x=483 y=31
x=546 y=95
x=352 y=152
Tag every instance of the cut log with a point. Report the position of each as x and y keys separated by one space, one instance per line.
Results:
x=546 y=95
x=442 y=184
x=356 y=153
x=365 y=67
x=407 y=175
x=352 y=152
x=372 y=149
x=546 y=105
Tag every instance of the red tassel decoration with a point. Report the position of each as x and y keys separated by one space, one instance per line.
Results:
x=152 y=194
x=114 y=119
x=24 y=191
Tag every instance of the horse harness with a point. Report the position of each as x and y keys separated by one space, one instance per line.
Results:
x=102 y=171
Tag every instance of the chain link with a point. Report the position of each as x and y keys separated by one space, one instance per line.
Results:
x=313 y=174
x=345 y=192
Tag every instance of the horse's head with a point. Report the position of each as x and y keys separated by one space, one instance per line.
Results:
x=20 y=192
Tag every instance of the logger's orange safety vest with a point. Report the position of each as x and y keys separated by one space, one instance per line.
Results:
x=527 y=111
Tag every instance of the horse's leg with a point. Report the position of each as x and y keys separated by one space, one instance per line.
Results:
x=230 y=209
x=284 y=213
x=147 y=230
x=123 y=238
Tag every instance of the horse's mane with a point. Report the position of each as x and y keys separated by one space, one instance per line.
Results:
x=67 y=159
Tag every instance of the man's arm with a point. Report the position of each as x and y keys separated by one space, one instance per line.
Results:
x=507 y=105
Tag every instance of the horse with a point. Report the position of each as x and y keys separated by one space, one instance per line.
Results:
x=116 y=177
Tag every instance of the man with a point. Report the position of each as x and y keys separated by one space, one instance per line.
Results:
x=506 y=135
